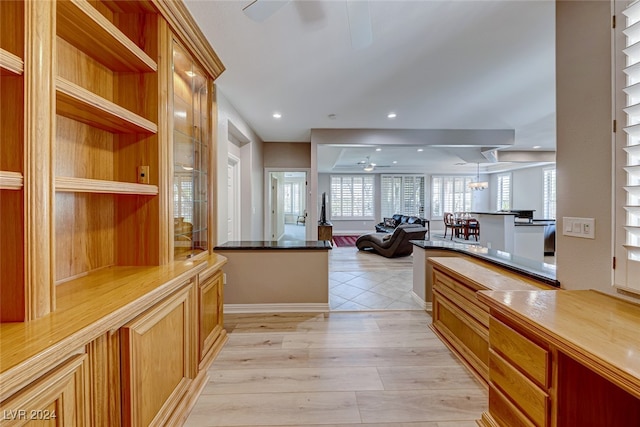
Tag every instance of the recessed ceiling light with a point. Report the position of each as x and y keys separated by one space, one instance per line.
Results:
x=420 y=149
x=392 y=116
x=190 y=73
x=394 y=162
x=378 y=149
x=277 y=115
x=535 y=147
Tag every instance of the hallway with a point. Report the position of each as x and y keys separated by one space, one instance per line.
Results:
x=377 y=369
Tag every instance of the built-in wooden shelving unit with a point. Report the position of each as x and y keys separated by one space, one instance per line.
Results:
x=85 y=185
x=10 y=180
x=78 y=103
x=99 y=325
x=106 y=96
x=13 y=298
x=79 y=23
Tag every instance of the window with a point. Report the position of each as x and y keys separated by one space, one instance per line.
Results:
x=292 y=198
x=402 y=194
x=549 y=193
x=352 y=197
x=627 y=97
x=183 y=197
x=450 y=194
x=503 y=193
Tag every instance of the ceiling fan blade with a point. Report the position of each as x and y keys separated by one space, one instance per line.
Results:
x=259 y=10
x=359 y=23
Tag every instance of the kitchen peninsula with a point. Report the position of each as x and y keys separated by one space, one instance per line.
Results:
x=516 y=232
x=297 y=272
x=536 y=272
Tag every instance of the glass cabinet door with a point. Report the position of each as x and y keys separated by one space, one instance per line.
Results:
x=191 y=138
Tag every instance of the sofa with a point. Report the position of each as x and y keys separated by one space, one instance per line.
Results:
x=388 y=225
x=392 y=245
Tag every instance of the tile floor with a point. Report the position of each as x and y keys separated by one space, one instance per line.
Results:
x=376 y=368
x=367 y=281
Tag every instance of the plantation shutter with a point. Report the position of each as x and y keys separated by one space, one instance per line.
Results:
x=436 y=197
x=627 y=275
x=503 y=197
x=352 y=197
x=549 y=184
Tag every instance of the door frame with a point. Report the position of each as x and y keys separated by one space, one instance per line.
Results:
x=267 y=197
x=234 y=161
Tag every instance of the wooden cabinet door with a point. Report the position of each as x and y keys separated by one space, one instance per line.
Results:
x=158 y=359
x=211 y=319
x=57 y=399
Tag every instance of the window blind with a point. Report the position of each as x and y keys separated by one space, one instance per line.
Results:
x=352 y=197
x=503 y=195
x=450 y=194
x=549 y=193
x=402 y=194
x=630 y=267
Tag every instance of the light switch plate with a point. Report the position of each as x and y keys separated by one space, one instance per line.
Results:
x=579 y=227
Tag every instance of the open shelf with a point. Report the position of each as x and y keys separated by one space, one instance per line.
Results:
x=86 y=185
x=11 y=180
x=84 y=27
x=79 y=104
x=10 y=64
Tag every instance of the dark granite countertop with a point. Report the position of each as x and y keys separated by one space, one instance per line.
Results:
x=275 y=245
x=494 y=213
x=534 y=223
x=527 y=267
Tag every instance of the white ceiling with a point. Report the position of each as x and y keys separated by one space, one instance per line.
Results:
x=438 y=64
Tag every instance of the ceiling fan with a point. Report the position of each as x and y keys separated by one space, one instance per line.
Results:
x=368 y=166
x=357 y=15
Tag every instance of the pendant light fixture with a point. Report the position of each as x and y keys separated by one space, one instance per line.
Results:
x=478 y=185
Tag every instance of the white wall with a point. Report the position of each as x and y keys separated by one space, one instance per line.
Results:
x=249 y=149
x=527 y=190
x=584 y=140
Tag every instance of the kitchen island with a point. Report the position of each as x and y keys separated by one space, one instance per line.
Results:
x=515 y=232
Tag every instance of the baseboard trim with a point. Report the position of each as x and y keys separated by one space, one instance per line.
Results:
x=427 y=306
x=276 y=308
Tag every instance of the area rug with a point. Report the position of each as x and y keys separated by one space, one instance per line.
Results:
x=345 y=241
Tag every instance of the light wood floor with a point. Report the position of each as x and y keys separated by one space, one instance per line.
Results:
x=377 y=368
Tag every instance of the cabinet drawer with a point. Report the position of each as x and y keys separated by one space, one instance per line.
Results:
x=460 y=295
x=504 y=412
x=526 y=355
x=465 y=334
x=442 y=279
x=533 y=401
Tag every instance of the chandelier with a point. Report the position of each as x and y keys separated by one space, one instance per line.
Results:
x=478 y=185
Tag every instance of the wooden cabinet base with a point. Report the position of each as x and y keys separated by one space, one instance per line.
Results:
x=57 y=399
x=158 y=363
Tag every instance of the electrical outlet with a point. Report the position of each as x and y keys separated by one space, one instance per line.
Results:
x=224 y=278
x=143 y=174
